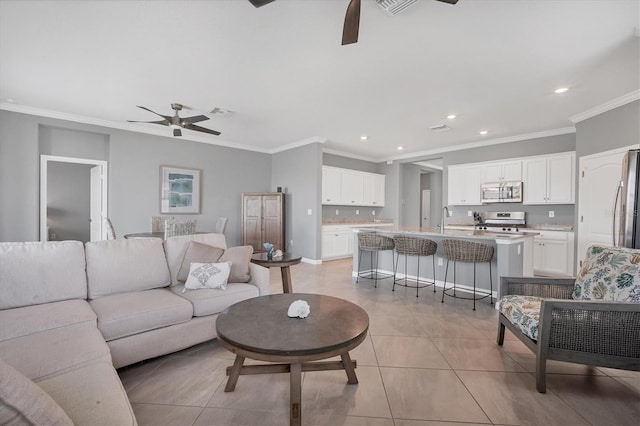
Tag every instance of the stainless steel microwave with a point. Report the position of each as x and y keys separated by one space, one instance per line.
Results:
x=501 y=192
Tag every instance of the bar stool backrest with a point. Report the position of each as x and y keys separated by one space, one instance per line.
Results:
x=370 y=241
x=467 y=251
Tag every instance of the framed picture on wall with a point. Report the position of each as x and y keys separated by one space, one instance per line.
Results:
x=179 y=190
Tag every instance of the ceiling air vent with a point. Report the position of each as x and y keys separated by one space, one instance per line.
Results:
x=393 y=7
x=440 y=128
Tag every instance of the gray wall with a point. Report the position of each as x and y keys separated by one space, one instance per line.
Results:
x=349 y=163
x=613 y=129
x=134 y=173
x=299 y=172
x=68 y=201
x=410 y=201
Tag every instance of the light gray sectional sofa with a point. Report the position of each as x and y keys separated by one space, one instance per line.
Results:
x=70 y=314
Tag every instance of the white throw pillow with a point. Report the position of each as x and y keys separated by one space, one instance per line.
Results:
x=208 y=275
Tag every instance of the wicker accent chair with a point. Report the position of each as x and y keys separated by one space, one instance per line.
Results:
x=182 y=227
x=593 y=319
x=467 y=252
x=157 y=222
x=374 y=244
x=412 y=246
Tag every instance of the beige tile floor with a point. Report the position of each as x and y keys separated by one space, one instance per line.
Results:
x=424 y=363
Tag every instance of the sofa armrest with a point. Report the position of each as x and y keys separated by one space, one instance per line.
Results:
x=591 y=327
x=259 y=278
x=556 y=288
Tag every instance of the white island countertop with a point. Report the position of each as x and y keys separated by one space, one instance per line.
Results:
x=454 y=233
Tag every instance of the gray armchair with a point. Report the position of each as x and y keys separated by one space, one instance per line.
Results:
x=601 y=328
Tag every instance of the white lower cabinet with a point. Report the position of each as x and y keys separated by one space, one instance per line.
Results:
x=553 y=253
x=336 y=242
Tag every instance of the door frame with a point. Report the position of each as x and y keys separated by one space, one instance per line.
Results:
x=581 y=228
x=44 y=167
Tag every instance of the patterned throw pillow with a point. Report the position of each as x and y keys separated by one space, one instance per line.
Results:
x=610 y=274
x=208 y=275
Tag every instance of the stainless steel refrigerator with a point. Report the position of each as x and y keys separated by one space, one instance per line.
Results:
x=627 y=229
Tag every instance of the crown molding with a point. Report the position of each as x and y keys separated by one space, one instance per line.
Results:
x=479 y=144
x=297 y=144
x=607 y=106
x=131 y=127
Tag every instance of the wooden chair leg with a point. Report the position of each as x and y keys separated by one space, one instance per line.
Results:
x=541 y=374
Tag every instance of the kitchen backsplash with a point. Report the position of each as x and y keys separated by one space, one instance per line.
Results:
x=329 y=212
x=563 y=214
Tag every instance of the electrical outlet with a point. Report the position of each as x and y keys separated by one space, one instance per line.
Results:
x=337 y=212
x=552 y=213
x=357 y=212
x=469 y=213
x=373 y=212
x=440 y=263
x=309 y=212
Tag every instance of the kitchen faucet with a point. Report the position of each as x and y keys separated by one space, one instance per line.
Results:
x=445 y=213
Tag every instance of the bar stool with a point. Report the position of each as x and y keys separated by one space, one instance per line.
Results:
x=411 y=246
x=373 y=243
x=468 y=252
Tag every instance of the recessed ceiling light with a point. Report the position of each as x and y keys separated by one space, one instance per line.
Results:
x=484 y=132
x=400 y=148
x=363 y=138
x=561 y=90
x=451 y=116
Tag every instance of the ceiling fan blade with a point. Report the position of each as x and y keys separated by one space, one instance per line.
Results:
x=260 y=3
x=194 y=119
x=351 y=23
x=201 y=129
x=163 y=122
x=177 y=132
x=166 y=117
x=448 y=1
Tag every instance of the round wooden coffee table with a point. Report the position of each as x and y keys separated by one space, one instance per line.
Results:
x=260 y=329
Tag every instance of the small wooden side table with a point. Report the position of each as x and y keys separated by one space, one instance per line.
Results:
x=283 y=262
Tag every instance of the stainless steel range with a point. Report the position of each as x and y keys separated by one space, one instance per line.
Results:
x=502 y=222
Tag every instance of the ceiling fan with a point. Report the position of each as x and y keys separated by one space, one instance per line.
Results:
x=178 y=123
x=351 y=19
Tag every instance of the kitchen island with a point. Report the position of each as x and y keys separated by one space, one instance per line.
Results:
x=513 y=256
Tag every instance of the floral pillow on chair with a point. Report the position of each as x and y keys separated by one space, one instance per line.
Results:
x=610 y=274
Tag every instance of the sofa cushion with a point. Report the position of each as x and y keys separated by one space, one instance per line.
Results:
x=209 y=302
x=28 y=320
x=125 y=314
x=36 y=272
x=610 y=274
x=240 y=257
x=91 y=395
x=208 y=275
x=120 y=266
x=197 y=253
x=175 y=248
x=523 y=312
x=23 y=402
x=52 y=352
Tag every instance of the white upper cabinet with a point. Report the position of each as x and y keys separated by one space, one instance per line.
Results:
x=331 y=185
x=464 y=185
x=503 y=171
x=352 y=188
x=374 y=189
x=347 y=187
x=550 y=179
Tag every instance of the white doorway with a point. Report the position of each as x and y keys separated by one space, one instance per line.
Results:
x=97 y=178
x=599 y=177
x=426 y=209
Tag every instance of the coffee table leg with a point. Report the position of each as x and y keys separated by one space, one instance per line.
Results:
x=295 y=377
x=234 y=374
x=348 y=367
x=286 y=279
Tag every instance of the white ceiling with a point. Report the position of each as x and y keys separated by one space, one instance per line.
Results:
x=283 y=73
